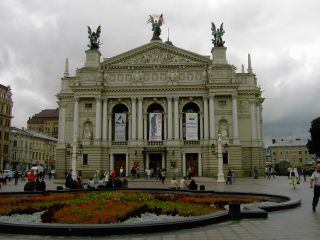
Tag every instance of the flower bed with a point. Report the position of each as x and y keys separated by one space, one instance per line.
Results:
x=112 y=207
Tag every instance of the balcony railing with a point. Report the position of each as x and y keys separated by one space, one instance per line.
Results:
x=119 y=143
x=155 y=143
x=193 y=142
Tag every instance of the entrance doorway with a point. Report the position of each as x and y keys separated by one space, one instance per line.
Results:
x=192 y=163
x=155 y=161
x=119 y=160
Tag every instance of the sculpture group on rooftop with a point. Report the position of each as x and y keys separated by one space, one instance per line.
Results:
x=94 y=38
x=156 y=21
x=217 y=33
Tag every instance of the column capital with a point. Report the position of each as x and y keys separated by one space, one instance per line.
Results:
x=140 y=99
x=76 y=99
x=98 y=98
x=133 y=98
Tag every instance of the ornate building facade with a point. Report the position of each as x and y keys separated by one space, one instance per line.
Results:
x=160 y=106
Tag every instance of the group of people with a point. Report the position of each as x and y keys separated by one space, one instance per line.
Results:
x=184 y=184
x=110 y=183
x=35 y=181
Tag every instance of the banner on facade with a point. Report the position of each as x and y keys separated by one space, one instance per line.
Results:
x=191 y=126
x=155 y=126
x=120 y=126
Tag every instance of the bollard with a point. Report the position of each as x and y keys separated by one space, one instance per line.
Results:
x=234 y=211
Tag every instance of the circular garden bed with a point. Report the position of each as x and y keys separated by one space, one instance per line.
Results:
x=112 y=212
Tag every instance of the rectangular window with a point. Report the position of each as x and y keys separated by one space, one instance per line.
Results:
x=222 y=103
x=300 y=152
x=225 y=158
x=85 y=159
x=88 y=106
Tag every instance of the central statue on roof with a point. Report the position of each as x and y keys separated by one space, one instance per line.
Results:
x=156 y=21
x=217 y=33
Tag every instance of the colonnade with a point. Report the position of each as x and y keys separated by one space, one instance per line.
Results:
x=172 y=122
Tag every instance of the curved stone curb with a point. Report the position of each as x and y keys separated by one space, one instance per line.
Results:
x=129 y=228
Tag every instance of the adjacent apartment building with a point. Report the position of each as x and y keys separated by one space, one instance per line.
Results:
x=294 y=151
x=29 y=148
x=46 y=122
x=5 y=123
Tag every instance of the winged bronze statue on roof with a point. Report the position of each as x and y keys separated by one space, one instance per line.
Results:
x=157 y=22
x=217 y=34
x=94 y=38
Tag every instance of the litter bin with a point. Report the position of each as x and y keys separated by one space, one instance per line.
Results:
x=234 y=211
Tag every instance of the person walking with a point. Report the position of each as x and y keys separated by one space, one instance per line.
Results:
x=315 y=184
x=163 y=175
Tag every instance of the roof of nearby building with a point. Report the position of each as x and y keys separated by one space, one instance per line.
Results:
x=32 y=133
x=289 y=142
x=44 y=114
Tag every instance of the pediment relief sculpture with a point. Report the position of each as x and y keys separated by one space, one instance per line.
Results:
x=137 y=78
x=173 y=77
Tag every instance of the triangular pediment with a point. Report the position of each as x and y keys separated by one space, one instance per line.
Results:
x=153 y=54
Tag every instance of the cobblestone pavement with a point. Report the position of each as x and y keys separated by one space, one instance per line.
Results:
x=291 y=224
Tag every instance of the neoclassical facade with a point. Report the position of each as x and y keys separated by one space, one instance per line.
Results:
x=160 y=106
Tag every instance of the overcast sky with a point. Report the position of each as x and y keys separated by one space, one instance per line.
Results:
x=282 y=37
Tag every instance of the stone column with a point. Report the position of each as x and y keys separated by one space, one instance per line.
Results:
x=165 y=126
x=145 y=137
x=253 y=120
x=205 y=118
x=258 y=123
x=140 y=119
x=169 y=117
x=111 y=162
x=163 y=161
x=76 y=117
x=98 y=118
x=176 y=118
x=212 y=119
x=199 y=165
x=105 y=119
x=147 y=160
x=184 y=172
x=133 y=118
x=62 y=122
x=201 y=126
x=110 y=128
x=127 y=164
x=181 y=129
x=235 y=120
x=129 y=128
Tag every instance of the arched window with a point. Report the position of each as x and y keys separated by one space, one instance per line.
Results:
x=155 y=122
x=190 y=122
x=120 y=123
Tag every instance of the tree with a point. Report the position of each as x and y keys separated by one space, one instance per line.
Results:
x=313 y=145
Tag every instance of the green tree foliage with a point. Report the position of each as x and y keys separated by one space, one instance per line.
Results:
x=314 y=144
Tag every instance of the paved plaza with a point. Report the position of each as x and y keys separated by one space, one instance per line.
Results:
x=298 y=223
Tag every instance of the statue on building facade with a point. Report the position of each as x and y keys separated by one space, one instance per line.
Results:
x=217 y=33
x=156 y=21
x=94 y=38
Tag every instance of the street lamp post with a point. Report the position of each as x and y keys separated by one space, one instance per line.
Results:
x=74 y=156
x=220 y=161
